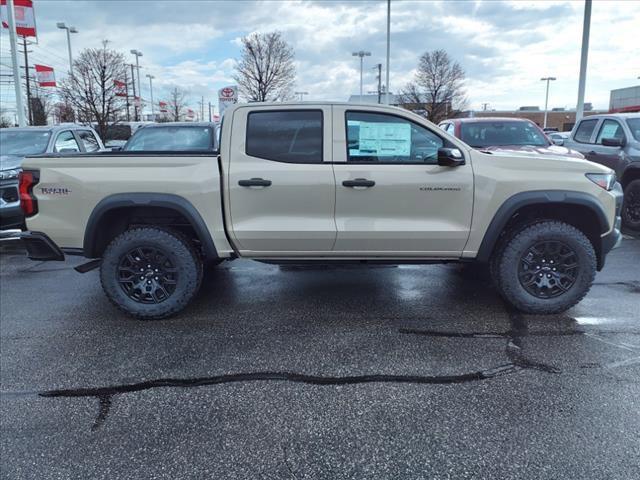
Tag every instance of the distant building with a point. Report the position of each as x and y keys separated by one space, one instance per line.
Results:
x=625 y=99
x=563 y=120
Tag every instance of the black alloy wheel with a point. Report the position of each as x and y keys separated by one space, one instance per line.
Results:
x=548 y=269
x=147 y=275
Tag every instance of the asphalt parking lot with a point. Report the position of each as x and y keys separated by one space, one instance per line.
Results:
x=388 y=372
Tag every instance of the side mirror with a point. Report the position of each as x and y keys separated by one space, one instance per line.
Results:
x=68 y=150
x=613 y=142
x=558 y=141
x=116 y=149
x=450 y=157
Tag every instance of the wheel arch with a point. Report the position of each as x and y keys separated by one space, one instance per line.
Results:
x=107 y=218
x=576 y=208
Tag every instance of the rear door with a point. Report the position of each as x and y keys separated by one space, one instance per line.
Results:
x=392 y=199
x=280 y=185
x=583 y=138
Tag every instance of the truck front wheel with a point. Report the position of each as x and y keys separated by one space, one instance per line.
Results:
x=545 y=268
x=631 y=207
x=150 y=273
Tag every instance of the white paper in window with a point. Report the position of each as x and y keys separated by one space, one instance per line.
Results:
x=383 y=140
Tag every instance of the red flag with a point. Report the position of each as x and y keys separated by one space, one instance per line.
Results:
x=121 y=88
x=45 y=76
x=163 y=107
x=25 y=17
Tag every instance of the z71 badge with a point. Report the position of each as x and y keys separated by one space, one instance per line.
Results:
x=55 y=190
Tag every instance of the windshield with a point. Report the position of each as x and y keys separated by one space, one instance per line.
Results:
x=171 y=138
x=17 y=142
x=634 y=126
x=489 y=134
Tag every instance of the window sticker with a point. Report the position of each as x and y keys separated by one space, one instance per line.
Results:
x=609 y=130
x=381 y=139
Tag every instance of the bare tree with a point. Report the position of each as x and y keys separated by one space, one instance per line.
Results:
x=437 y=87
x=91 y=90
x=176 y=105
x=265 y=71
x=42 y=107
x=5 y=118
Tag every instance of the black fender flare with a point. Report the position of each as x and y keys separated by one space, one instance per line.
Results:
x=165 y=200
x=536 y=197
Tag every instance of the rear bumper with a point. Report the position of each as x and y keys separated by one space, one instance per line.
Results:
x=38 y=245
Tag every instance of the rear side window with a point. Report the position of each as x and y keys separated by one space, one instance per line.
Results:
x=285 y=136
x=176 y=138
x=89 y=141
x=584 y=131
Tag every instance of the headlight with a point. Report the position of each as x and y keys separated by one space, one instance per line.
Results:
x=9 y=174
x=603 y=180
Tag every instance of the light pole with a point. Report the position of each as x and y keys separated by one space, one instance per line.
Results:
x=546 y=98
x=301 y=94
x=69 y=30
x=361 y=54
x=586 y=25
x=386 y=95
x=14 y=63
x=153 y=113
x=138 y=54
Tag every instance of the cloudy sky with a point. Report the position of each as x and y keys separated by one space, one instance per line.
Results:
x=504 y=47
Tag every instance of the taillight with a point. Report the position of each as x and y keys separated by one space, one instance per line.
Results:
x=27 y=180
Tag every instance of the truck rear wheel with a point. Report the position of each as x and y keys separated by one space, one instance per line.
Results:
x=545 y=268
x=150 y=273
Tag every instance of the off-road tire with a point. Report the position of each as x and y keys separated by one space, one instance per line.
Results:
x=178 y=250
x=631 y=194
x=507 y=260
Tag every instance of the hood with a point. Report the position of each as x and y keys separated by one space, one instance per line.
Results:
x=9 y=162
x=549 y=150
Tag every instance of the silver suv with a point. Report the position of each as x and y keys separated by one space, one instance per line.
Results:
x=17 y=143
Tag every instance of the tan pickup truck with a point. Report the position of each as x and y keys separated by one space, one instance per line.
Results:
x=323 y=182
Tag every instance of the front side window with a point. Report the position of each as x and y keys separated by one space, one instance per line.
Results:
x=89 y=141
x=382 y=138
x=584 y=131
x=285 y=136
x=171 y=139
x=610 y=129
x=66 y=142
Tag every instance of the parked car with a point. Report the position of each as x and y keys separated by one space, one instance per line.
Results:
x=558 y=138
x=323 y=182
x=613 y=140
x=174 y=136
x=17 y=143
x=505 y=134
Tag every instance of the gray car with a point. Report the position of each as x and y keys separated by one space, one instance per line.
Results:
x=613 y=140
x=17 y=143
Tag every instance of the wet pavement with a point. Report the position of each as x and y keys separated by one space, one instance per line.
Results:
x=274 y=372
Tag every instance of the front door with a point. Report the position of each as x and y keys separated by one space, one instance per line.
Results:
x=606 y=155
x=280 y=182
x=392 y=198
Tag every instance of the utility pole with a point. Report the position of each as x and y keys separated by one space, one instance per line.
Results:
x=11 y=17
x=386 y=96
x=126 y=91
x=361 y=54
x=379 y=67
x=210 y=118
x=133 y=85
x=583 y=59
x=26 y=76
x=153 y=113
x=546 y=99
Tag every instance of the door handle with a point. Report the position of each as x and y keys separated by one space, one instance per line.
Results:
x=359 y=182
x=254 y=182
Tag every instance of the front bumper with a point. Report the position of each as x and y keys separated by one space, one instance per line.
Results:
x=38 y=245
x=612 y=239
